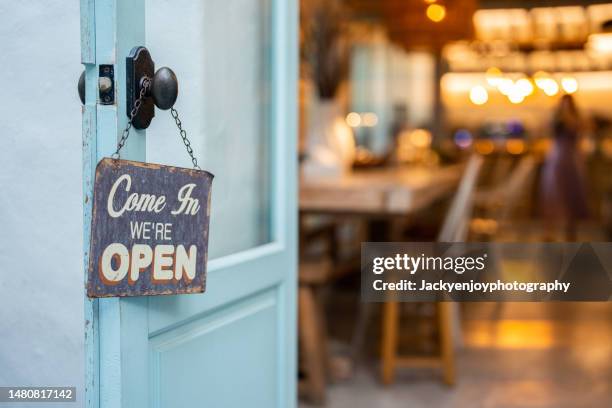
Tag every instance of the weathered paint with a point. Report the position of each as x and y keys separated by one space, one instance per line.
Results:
x=183 y=216
x=88 y=40
x=88 y=59
x=111 y=28
x=90 y=305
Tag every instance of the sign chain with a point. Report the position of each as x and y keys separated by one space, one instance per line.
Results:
x=146 y=84
x=186 y=141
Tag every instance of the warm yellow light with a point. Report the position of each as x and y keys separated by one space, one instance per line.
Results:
x=420 y=138
x=511 y=334
x=541 y=78
x=436 y=12
x=516 y=95
x=551 y=87
x=353 y=119
x=569 y=84
x=369 y=119
x=430 y=1
x=600 y=43
x=484 y=147
x=505 y=86
x=515 y=146
x=494 y=76
x=524 y=86
x=479 y=95
x=406 y=152
x=544 y=81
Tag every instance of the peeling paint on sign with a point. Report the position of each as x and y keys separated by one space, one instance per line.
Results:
x=149 y=233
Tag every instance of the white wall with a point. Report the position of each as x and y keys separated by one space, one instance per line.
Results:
x=41 y=278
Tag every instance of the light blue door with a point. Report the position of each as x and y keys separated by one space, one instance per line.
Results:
x=236 y=63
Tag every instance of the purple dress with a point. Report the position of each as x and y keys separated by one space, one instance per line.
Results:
x=563 y=187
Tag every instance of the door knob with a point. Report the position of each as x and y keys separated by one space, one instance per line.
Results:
x=106 y=86
x=164 y=88
x=81 y=87
x=162 y=92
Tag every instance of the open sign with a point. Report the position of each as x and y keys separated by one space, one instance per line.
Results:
x=149 y=233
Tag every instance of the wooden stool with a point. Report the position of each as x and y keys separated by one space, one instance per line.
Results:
x=454 y=229
x=391 y=360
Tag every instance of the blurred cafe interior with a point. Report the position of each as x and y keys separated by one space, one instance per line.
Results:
x=451 y=121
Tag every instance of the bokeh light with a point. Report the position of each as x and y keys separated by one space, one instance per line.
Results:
x=479 y=95
x=540 y=78
x=494 y=76
x=353 y=119
x=505 y=86
x=516 y=95
x=369 y=119
x=551 y=88
x=436 y=12
x=515 y=146
x=463 y=138
x=569 y=84
x=420 y=138
x=484 y=147
x=524 y=86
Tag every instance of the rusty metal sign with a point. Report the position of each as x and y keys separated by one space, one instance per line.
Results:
x=149 y=233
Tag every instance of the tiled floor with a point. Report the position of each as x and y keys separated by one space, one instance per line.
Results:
x=515 y=355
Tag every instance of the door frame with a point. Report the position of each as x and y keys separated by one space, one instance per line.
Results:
x=109 y=29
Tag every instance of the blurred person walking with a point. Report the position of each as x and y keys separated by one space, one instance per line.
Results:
x=563 y=186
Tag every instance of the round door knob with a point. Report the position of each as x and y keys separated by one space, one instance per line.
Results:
x=81 y=87
x=164 y=88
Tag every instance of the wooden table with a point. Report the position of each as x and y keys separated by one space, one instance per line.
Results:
x=377 y=196
x=386 y=191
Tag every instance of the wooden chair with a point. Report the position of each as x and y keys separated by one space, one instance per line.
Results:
x=454 y=229
x=495 y=205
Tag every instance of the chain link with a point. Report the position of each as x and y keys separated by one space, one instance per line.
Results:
x=146 y=83
x=186 y=141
